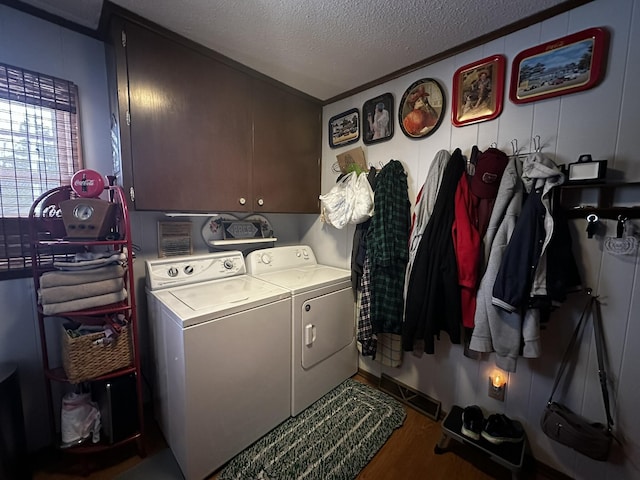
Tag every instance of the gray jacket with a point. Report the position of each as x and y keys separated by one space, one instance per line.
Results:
x=495 y=329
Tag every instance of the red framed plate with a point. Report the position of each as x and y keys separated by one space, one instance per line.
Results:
x=565 y=65
x=478 y=91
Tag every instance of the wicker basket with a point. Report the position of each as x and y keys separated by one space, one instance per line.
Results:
x=83 y=359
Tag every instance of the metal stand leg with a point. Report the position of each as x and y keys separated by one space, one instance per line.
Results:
x=442 y=445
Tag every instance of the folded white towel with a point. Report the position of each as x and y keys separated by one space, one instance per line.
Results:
x=89 y=264
x=75 y=292
x=60 y=278
x=84 y=303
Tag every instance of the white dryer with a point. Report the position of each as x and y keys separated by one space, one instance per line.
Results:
x=323 y=319
x=222 y=347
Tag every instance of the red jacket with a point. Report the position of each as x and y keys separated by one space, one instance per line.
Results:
x=466 y=244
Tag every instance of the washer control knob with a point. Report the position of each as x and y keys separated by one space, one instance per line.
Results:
x=228 y=264
x=266 y=259
x=172 y=272
x=188 y=269
x=305 y=254
x=298 y=254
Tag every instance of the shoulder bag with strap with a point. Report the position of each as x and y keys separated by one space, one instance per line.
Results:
x=563 y=425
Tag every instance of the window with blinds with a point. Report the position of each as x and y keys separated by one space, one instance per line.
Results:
x=39 y=150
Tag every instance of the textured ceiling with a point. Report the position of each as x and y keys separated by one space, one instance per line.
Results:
x=321 y=47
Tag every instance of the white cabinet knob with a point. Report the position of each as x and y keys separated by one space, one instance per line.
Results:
x=242 y=200
x=260 y=202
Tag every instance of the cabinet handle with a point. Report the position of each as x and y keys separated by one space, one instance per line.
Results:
x=242 y=200
x=260 y=202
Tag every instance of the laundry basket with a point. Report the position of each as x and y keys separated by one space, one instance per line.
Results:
x=87 y=357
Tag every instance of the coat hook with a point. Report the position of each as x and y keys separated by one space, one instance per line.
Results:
x=514 y=146
x=592 y=224
x=493 y=145
x=536 y=144
x=620 y=226
x=336 y=167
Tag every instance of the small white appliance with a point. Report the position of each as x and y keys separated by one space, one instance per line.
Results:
x=222 y=348
x=323 y=319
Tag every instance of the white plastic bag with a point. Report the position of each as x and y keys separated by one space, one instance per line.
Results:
x=349 y=201
x=362 y=209
x=79 y=418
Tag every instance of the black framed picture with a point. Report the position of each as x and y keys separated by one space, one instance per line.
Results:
x=344 y=128
x=377 y=123
x=421 y=108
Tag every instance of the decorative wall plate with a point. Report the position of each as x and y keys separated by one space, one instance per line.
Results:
x=421 y=108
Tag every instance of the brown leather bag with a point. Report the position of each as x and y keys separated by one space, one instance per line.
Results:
x=563 y=425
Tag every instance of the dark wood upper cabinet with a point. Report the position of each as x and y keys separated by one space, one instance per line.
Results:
x=287 y=145
x=198 y=135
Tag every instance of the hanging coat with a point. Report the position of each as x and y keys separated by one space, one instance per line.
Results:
x=387 y=248
x=433 y=293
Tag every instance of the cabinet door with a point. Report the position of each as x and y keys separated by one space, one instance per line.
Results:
x=286 y=157
x=190 y=127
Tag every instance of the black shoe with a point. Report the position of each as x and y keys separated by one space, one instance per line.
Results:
x=472 y=422
x=500 y=428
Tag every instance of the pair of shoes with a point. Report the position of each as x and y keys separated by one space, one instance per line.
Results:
x=500 y=429
x=472 y=422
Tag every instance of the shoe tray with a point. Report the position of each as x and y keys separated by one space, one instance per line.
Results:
x=510 y=455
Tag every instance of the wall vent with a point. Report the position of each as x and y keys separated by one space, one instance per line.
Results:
x=407 y=395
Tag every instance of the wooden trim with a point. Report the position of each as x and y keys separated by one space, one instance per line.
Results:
x=370 y=377
x=109 y=9
x=50 y=17
x=501 y=32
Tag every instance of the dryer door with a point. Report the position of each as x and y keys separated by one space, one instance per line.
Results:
x=328 y=325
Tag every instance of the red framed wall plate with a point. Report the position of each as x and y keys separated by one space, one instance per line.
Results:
x=478 y=91
x=566 y=65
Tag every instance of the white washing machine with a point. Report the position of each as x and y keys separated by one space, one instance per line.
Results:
x=322 y=315
x=222 y=347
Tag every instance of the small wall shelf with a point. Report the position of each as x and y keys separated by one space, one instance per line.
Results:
x=241 y=241
x=569 y=196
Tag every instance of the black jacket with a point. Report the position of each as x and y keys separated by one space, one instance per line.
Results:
x=433 y=293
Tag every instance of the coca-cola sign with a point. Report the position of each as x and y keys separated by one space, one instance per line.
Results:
x=87 y=183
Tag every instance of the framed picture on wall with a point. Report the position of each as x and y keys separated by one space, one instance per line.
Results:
x=478 y=90
x=421 y=108
x=377 y=123
x=565 y=65
x=344 y=128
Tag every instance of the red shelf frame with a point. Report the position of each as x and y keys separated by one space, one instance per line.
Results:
x=48 y=242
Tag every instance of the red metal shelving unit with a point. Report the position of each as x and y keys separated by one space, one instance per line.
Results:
x=49 y=244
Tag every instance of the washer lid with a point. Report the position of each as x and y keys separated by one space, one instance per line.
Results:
x=201 y=302
x=302 y=279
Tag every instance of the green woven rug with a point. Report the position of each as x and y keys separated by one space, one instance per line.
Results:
x=332 y=439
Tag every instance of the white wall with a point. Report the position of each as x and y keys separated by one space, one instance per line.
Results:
x=30 y=43
x=603 y=121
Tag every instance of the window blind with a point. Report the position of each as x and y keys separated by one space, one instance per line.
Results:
x=39 y=150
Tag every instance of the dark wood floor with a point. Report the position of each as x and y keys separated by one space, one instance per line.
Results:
x=408 y=454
